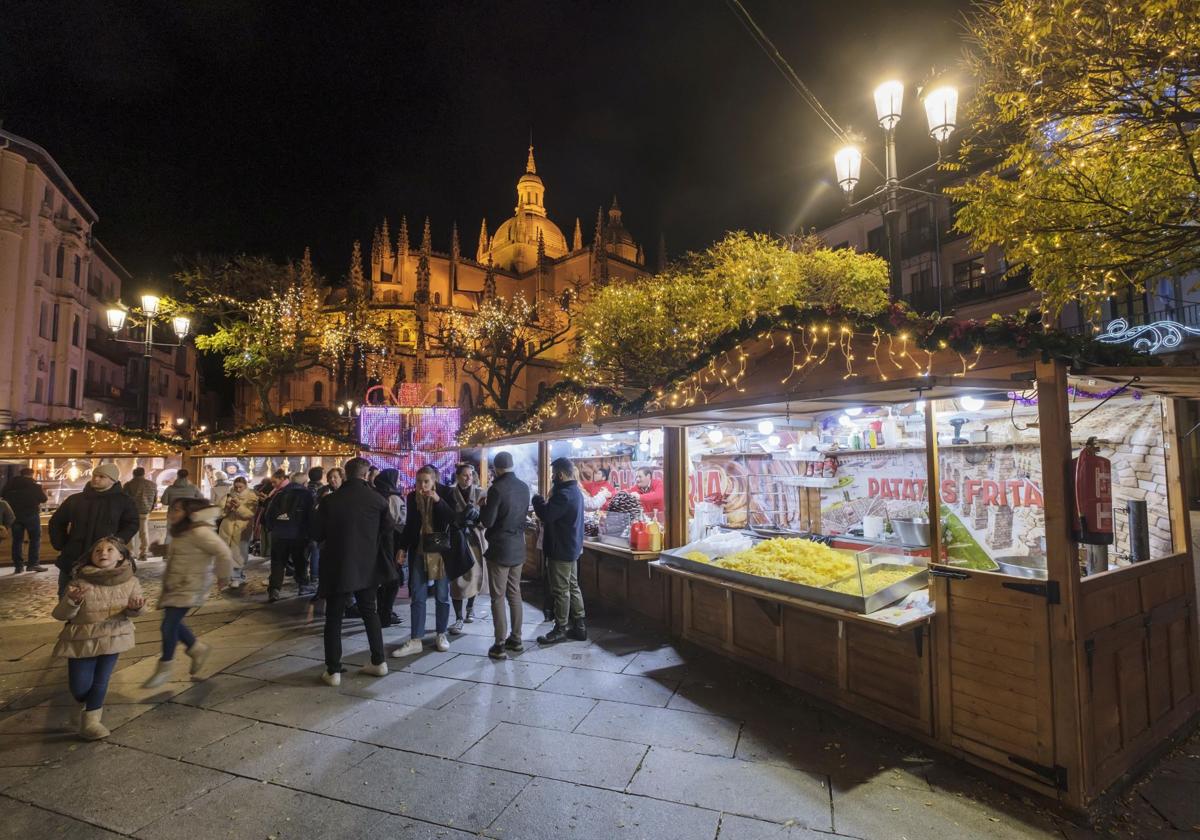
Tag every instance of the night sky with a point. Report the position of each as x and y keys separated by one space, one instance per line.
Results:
x=263 y=127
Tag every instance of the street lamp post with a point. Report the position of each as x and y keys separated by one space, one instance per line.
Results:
x=941 y=105
x=117 y=318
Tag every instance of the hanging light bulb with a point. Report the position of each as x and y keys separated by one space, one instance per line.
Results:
x=715 y=436
x=854 y=412
x=843 y=420
x=919 y=405
x=773 y=441
x=971 y=403
x=765 y=427
x=847 y=163
x=576 y=443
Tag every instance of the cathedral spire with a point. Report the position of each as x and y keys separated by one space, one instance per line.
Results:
x=356 y=281
x=577 y=240
x=489 y=281
x=385 y=238
x=530 y=166
x=483 y=241
x=402 y=236
x=599 y=251
x=422 y=294
x=455 y=255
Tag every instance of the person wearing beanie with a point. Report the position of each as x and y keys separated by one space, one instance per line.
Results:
x=503 y=518
x=101 y=509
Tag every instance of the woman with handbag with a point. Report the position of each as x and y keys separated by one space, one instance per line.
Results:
x=467 y=497
x=426 y=544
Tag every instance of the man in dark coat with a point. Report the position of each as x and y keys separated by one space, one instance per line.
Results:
x=25 y=496
x=503 y=517
x=355 y=528
x=562 y=541
x=288 y=520
x=99 y=510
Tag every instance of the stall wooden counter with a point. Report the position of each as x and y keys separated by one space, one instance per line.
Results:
x=619 y=577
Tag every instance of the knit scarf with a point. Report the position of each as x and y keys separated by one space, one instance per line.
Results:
x=435 y=564
x=96 y=576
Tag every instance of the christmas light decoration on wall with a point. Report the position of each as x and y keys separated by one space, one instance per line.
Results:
x=1147 y=338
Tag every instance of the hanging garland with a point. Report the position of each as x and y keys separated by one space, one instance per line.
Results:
x=1072 y=391
x=815 y=334
x=102 y=437
x=308 y=435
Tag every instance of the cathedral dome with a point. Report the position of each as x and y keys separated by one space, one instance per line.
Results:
x=524 y=229
x=514 y=245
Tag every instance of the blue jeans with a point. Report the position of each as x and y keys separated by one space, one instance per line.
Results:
x=418 y=592
x=175 y=631
x=314 y=561
x=88 y=678
x=20 y=529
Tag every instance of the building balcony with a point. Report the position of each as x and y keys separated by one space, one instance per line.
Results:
x=114 y=394
x=916 y=241
x=993 y=285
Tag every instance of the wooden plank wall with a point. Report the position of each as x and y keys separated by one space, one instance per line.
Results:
x=1141 y=652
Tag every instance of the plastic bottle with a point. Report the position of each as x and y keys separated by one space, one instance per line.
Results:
x=655 y=533
x=637 y=536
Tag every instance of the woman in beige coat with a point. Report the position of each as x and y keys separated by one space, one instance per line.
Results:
x=187 y=579
x=99 y=600
x=241 y=506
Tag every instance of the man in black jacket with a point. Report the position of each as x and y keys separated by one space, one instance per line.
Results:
x=503 y=517
x=99 y=510
x=288 y=520
x=355 y=529
x=25 y=496
x=562 y=541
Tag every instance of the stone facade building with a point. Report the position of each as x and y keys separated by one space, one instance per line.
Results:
x=528 y=254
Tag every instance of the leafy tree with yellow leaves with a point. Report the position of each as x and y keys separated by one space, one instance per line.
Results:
x=635 y=334
x=1085 y=121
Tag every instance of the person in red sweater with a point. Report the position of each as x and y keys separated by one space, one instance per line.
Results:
x=597 y=489
x=648 y=490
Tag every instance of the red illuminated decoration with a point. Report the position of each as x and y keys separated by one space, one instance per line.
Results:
x=408 y=437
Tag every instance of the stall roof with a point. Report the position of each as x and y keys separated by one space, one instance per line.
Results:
x=1181 y=382
x=77 y=438
x=275 y=439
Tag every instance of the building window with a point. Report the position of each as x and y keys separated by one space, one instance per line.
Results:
x=73 y=388
x=37 y=390
x=875 y=241
x=318 y=392
x=75 y=331
x=437 y=298
x=439 y=394
x=78 y=266
x=59 y=258
x=51 y=383
x=48 y=196
x=921 y=281
x=54 y=324
x=968 y=277
x=918 y=218
x=44 y=321
x=46 y=258
x=91 y=371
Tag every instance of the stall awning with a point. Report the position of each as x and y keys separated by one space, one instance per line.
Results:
x=1182 y=382
x=79 y=439
x=276 y=439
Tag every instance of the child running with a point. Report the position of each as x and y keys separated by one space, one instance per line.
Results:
x=100 y=598
x=187 y=579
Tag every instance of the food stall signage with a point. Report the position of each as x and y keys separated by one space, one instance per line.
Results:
x=1021 y=492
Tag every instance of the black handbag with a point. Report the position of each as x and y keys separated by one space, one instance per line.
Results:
x=436 y=542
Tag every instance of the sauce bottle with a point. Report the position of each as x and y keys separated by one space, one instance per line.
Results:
x=637 y=536
x=654 y=534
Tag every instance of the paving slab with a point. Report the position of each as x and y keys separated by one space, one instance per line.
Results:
x=750 y=698
x=428 y=661
x=311 y=707
x=441 y=732
x=118 y=788
x=590 y=655
x=512 y=672
x=665 y=663
x=10 y=776
x=406 y=688
x=65 y=719
x=519 y=705
x=31 y=663
x=217 y=689
x=551 y=810
x=289 y=669
x=745 y=828
x=244 y=808
x=662 y=728
x=449 y=793
x=1174 y=797
x=602 y=685
x=27 y=822
x=291 y=757
x=401 y=828
x=174 y=730
x=880 y=810
x=766 y=791
x=601 y=762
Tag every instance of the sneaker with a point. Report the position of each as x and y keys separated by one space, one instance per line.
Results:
x=409 y=648
x=470 y=619
x=379 y=670
x=496 y=651
x=456 y=628
x=442 y=643
x=35 y=568
x=307 y=590
x=198 y=652
x=558 y=634
x=514 y=644
x=333 y=680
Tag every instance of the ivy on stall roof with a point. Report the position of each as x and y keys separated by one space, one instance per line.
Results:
x=830 y=328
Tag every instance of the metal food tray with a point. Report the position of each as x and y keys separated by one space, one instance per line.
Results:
x=854 y=603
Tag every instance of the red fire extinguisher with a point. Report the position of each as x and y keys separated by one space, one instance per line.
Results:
x=1092 y=511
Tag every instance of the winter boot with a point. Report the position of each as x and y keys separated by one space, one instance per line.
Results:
x=558 y=634
x=199 y=653
x=161 y=675
x=90 y=727
x=577 y=631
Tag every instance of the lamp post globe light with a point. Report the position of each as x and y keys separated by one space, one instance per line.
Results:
x=941 y=112
x=118 y=316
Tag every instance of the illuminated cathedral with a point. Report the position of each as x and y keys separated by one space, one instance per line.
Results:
x=411 y=285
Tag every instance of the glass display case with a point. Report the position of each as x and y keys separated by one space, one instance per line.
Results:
x=256 y=468
x=621 y=476
x=525 y=463
x=61 y=477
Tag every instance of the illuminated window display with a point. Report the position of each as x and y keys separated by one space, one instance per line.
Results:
x=60 y=477
x=525 y=462
x=621 y=475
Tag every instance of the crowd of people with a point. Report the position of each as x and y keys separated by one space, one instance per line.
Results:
x=350 y=538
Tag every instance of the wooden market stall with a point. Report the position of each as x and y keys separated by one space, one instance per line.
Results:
x=1060 y=680
x=256 y=452
x=63 y=455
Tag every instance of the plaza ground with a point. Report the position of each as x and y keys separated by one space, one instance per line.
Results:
x=627 y=736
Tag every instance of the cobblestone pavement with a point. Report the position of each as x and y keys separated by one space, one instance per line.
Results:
x=627 y=736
